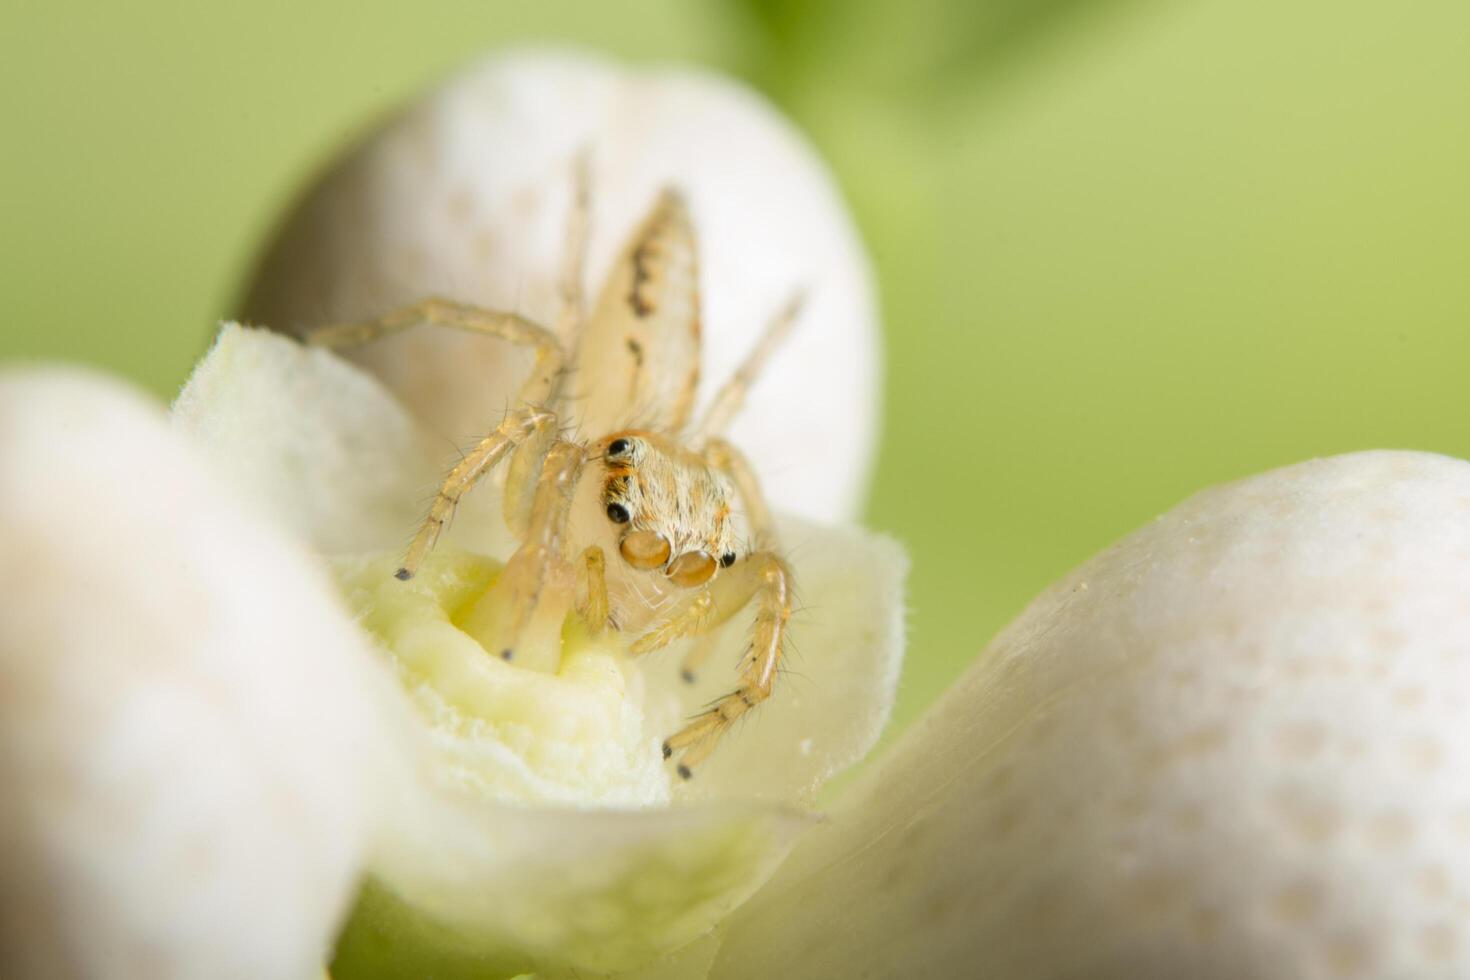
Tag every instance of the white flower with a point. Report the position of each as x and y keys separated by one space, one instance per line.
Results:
x=516 y=886
x=466 y=195
x=181 y=700
x=1233 y=745
x=492 y=831
x=204 y=751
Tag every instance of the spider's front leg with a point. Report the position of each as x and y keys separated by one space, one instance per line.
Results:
x=765 y=578
x=489 y=451
x=723 y=456
x=527 y=428
x=524 y=608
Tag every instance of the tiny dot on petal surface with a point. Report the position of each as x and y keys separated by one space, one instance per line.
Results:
x=1437 y=942
x=1390 y=831
x=1434 y=883
x=1422 y=753
x=1347 y=956
x=1297 y=903
x=1310 y=820
x=1300 y=740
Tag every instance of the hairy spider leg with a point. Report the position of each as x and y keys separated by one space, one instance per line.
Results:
x=526 y=428
x=701 y=612
x=538 y=386
x=524 y=472
x=502 y=616
x=764 y=577
x=727 y=401
x=476 y=463
x=761 y=576
x=573 y=313
x=724 y=457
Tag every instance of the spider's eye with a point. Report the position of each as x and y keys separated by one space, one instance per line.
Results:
x=727 y=559
x=618 y=514
x=617 y=447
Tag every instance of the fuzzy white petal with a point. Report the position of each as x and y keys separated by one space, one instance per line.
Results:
x=464 y=883
x=319 y=444
x=466 y=195
x=1234 y=745
x=479 y=889
x=183 y=708
x=309 y=439
x=325 y=449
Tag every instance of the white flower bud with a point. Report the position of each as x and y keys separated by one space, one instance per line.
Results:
x=1234 y=745
x=184 y=720
x=467 y=195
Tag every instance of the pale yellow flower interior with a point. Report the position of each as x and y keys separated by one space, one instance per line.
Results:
x=578 y=734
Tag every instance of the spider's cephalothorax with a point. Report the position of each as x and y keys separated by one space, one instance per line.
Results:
x=658 y=531
x=674 y=507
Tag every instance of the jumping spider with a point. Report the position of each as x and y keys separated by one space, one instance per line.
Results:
x=661 y=494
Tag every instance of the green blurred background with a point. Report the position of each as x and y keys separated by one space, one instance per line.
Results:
x=1126 y=249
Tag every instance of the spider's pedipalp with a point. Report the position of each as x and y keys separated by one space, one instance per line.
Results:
x=594 y=609
x=501 y=618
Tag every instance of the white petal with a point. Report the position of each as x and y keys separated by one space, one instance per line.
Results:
x=466 y=196
x=839 y=676
x=693 y=962
x=527 y=886
x=480 y=866
x=183 y=720
x=1234 y=745
x=309 y=439
x=497 y=889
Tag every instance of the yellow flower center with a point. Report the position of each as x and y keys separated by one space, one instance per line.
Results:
x=500 y=731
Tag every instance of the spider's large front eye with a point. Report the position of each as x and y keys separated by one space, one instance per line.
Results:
x=644 y=549
x=691 y=569
x=618 y=514
x=618 y=447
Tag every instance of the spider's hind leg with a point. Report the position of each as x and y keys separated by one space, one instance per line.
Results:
x=572 y=315
x=728 y=400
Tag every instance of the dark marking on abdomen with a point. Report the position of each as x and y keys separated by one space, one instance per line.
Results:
x=638 y=300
